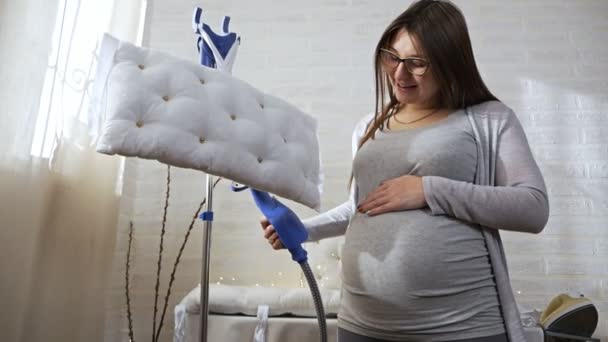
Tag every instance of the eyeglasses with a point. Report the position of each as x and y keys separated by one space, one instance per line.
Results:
x=415 y=65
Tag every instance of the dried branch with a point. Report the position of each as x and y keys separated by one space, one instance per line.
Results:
x=127 y=282
x=160 y=252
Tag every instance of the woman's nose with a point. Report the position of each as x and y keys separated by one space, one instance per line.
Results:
x=401 y=72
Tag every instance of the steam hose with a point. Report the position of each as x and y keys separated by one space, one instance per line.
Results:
x=292 y=233
x=316 y=296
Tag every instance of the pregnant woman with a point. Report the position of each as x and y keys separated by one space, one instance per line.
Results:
x=440 y=168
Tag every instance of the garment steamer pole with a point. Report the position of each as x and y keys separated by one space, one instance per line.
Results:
x=208 y=218
x=207 y=58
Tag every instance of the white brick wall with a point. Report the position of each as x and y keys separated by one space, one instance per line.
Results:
x=547 y=59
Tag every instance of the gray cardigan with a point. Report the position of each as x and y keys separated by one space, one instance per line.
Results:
x=509 y=193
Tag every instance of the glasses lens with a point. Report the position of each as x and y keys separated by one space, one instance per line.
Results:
x=388 y=59
x=416 y=66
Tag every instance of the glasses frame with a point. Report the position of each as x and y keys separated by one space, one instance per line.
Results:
x=404 y=61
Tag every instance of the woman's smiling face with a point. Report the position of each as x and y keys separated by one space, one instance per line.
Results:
x=411 y=88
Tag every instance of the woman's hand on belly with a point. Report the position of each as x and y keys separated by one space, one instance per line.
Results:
x=401 y=193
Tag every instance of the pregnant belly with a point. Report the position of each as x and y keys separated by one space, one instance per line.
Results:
x=411 y=255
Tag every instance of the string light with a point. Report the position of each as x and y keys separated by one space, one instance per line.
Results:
x=320 y=273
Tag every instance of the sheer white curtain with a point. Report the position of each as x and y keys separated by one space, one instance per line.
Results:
x=59 y=198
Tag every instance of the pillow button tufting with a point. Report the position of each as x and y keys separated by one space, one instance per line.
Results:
x=201 y=140
x=262 y=105
x=141 y=66
x=260 y=159
x=166 y=98
x=233 y=117
x=139 y=123
x=202 y=81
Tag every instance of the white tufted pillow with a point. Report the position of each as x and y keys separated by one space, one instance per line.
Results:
x=187 y=115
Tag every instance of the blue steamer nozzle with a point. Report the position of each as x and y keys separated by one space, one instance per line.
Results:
x=286 y=223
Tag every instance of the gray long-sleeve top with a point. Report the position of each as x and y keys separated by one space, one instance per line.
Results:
x=509 y=193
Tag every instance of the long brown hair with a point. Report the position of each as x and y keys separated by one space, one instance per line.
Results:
x=440 y=30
